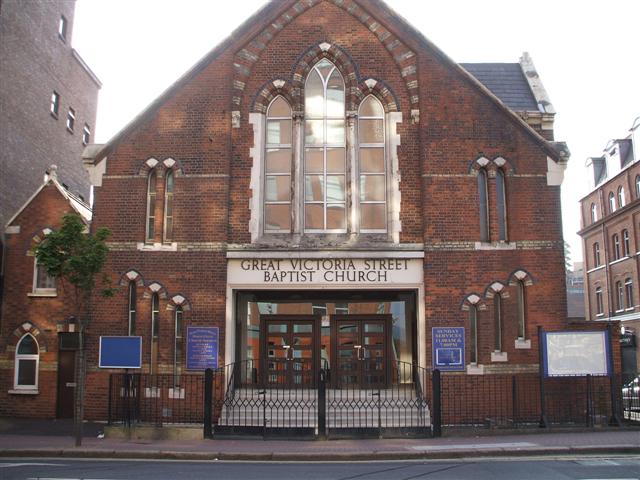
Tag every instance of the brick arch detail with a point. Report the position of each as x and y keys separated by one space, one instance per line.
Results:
x=247 y=56
x=496 y=287
x=156 y=287
x=131 y=275
x=491 y=166
x=22 y=330
x=379 y=90
x=269 y=92
x=179 y=300
x=521 y=275
x=36 y=238
x=473 y=299
x=161 y=167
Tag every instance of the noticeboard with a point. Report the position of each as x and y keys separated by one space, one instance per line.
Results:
x=120 y=352
x=202 y=347
x=448 y=348
x=575 y=353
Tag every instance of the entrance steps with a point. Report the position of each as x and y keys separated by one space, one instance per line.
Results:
x=386 y=408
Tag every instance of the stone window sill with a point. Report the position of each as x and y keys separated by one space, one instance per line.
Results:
x=522 y=344
x=42 y=294
x=499 y=356
x=501 y=245
x=24 y=392
x=158 y=247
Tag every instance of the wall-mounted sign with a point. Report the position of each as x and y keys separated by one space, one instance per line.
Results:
x=202 y=347
x=325 y=271
x=120 y=352
x=575 y=353
x=448 y=348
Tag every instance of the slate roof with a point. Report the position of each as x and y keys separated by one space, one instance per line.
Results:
x=507 y=82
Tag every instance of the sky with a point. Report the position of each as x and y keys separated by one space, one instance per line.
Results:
x=587 y=54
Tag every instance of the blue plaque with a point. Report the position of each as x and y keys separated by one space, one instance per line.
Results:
x=202 y=348
x=448 y=348
x=120 y=352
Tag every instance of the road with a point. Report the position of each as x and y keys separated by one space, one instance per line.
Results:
x=578 y=468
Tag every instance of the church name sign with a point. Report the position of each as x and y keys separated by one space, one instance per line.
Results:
x=331 y=271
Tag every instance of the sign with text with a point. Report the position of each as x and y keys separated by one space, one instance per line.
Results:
x=202 y=347
x=448 y=348
x=120 y=352
x=328 y=271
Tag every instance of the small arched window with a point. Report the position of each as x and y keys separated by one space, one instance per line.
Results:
x=151 y=206
x=522 y=309
x=372 y=166
x=596 y=254
x=616 y=246
x=621 y=202
x=484 y=205
x=628 y=286
x=594 y=213
x=497 y=318
x=155 y=331
x=501 y=205
x=599 y=301
x=277 y=177
x=132 y=308
x=626 y=243
x=168 y=206
x=325 y=150
x=473 y=332
x=637 y=186
x=612 y=202
x=27 y=360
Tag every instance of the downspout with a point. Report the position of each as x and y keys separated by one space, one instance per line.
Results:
x=605 y=240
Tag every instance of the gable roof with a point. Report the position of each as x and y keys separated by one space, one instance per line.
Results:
x=507 y=82
x=81 y=207
x=263 y=17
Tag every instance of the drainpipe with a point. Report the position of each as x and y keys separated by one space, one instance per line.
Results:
x=605 y=241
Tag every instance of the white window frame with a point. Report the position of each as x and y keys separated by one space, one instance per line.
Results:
x=24 y=356
x=62 y=28
x=594 y=213
x=54 y=107
x=49 y=292
x=71 y=119
x=86 y=134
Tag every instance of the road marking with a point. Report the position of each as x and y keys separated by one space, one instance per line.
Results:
x=8 y=465
x=474 y=446
x=597 y=463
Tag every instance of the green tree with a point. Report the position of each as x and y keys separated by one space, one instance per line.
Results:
x=75 y=257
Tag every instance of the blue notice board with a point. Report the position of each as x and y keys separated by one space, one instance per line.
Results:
x=202 y=347
x=448 y=348
x=120 y=352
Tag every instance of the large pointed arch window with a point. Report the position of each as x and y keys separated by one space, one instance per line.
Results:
x=372 y=166
x=277 y=197
x=325 y=150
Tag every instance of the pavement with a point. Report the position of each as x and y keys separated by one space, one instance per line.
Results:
x=47 y=438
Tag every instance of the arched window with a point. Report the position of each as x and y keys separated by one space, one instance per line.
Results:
x=596 y=254
x=151 y=206
x=484 y=205
x=501 y=205
x=621 y=201
x=522 y=309
x=616 y=246
x=325 y=150
x=626 y=243
x=372 y=166
x=155 y=331
x=168 y=206
x=599 y=301
x=637 y=186
x=497 y=318
x=27 y=360
x=132 y=308
x=177 y=346
x=594 y=213
x=612 y=202
x=473 y=333
x=277 y=177
x=628 y=286
x=619 y=297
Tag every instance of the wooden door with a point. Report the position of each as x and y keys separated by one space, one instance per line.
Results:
x=290 y=350
x=361 y=350
x=66 y=383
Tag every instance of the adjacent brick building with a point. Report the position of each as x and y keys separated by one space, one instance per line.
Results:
x=610 y=216
x=48 y=100
x=37 y=337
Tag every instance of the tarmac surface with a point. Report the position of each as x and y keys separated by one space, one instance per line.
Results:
x=47 y=438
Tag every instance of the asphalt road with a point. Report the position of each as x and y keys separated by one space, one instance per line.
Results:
x=579 y=468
